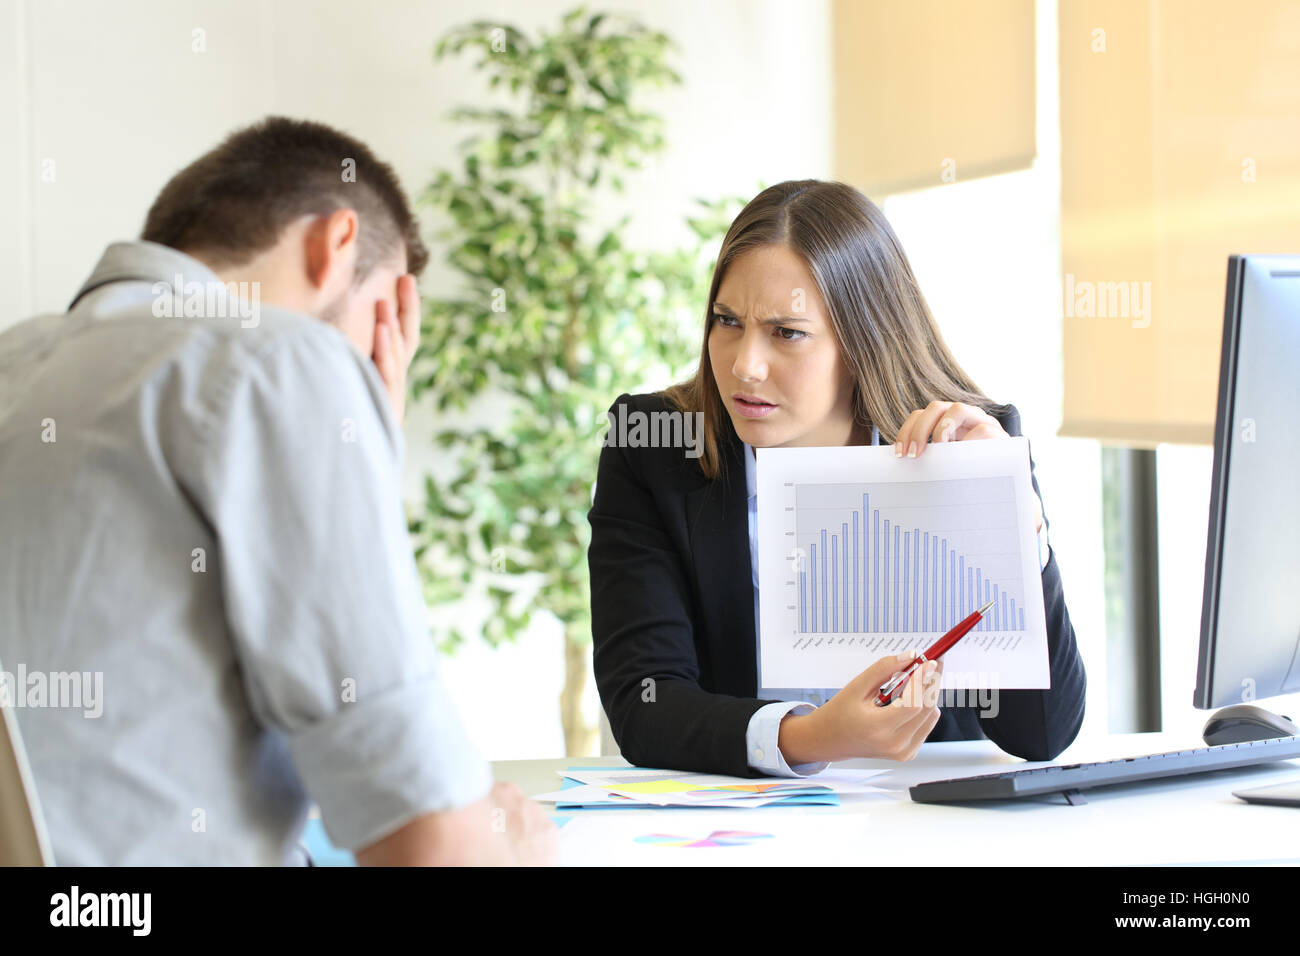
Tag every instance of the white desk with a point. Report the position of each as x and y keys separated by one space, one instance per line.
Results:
x=1177 y=820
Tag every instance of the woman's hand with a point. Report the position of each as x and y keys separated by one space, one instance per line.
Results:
x=851 y=724
x=951 y=421
x=944 y=421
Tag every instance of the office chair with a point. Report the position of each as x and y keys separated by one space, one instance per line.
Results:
x=23 y=839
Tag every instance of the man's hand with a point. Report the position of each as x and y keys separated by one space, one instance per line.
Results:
x=505 y=828
x=396 y=339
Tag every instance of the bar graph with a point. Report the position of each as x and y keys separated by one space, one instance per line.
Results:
x=861 y=554
x=907 y=557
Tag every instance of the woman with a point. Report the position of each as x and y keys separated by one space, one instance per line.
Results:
x=816 y=334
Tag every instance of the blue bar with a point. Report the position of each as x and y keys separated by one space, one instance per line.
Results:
x=875 y=571
x=944 y=609
x=916 y=576
x=885 y=589
x=866 y=567
x=906 y=578
x=979 y=583
x=812 y=587
x=970 y=588
x=1012 y=619
x=961 y=609
x=803 y=601
x=1004 y=611
x=896 y=535
x=824 y=620
x=857 y=578
x=1022 y=618
x=844 y=543
x=934 y=587
x=925 y=578
x=970 y=592
x=952 y=610
x=835 y=585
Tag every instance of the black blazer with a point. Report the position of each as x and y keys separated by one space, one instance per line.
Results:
x=672 y=617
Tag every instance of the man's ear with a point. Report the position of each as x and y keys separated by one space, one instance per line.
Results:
x=330 y=247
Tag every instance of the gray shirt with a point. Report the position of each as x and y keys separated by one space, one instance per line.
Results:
x=209 y=609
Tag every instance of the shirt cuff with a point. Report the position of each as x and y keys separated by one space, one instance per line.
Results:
x=1044 y=549
x=762 y=736
x=380 y=763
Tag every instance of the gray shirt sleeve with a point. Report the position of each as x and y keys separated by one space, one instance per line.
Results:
x=296 y=467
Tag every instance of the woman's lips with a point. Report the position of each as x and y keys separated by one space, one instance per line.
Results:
x=753 y=409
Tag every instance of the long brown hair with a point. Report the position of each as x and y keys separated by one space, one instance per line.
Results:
x=887 y=337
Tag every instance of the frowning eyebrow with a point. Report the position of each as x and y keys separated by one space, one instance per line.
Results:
x=779 y=320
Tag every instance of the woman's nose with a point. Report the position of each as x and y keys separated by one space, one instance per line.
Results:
x=751 y=362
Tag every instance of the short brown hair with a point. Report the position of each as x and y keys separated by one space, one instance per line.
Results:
x=234 y=201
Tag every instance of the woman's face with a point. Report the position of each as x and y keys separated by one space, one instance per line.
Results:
x=772 y=341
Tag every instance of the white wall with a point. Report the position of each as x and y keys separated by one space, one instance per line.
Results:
x=987 y=253
x=114 y=94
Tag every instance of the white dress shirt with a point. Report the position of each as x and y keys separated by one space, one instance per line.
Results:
x=217 y=536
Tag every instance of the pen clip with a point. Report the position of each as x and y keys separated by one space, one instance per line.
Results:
x=887 y=689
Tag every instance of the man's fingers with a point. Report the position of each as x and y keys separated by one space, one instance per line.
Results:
x=385 y=351
x=389 y=358
x=408 y=313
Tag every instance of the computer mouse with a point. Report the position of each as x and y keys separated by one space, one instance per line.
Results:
x=1242 y=722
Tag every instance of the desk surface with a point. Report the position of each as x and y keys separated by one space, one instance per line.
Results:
x=1180 y=820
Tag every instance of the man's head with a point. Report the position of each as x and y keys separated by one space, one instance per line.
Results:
x=306 y=211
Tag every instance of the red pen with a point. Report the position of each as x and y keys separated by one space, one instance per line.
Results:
x=894 y=686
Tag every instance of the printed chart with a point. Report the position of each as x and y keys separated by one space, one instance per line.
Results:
x=866 y=564
x=862 y=554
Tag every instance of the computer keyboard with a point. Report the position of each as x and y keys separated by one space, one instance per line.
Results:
x=1069 y=779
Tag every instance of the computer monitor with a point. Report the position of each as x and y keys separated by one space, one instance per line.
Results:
x=1250 y=611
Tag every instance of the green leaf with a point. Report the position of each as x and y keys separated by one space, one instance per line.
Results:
x=585 y=316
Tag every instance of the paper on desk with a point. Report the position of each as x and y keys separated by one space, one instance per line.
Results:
x=862 y=554
x=586 y=797
x=666 y=788
x=718 y=838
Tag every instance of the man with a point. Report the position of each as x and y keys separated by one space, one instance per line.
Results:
x=201 y=529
